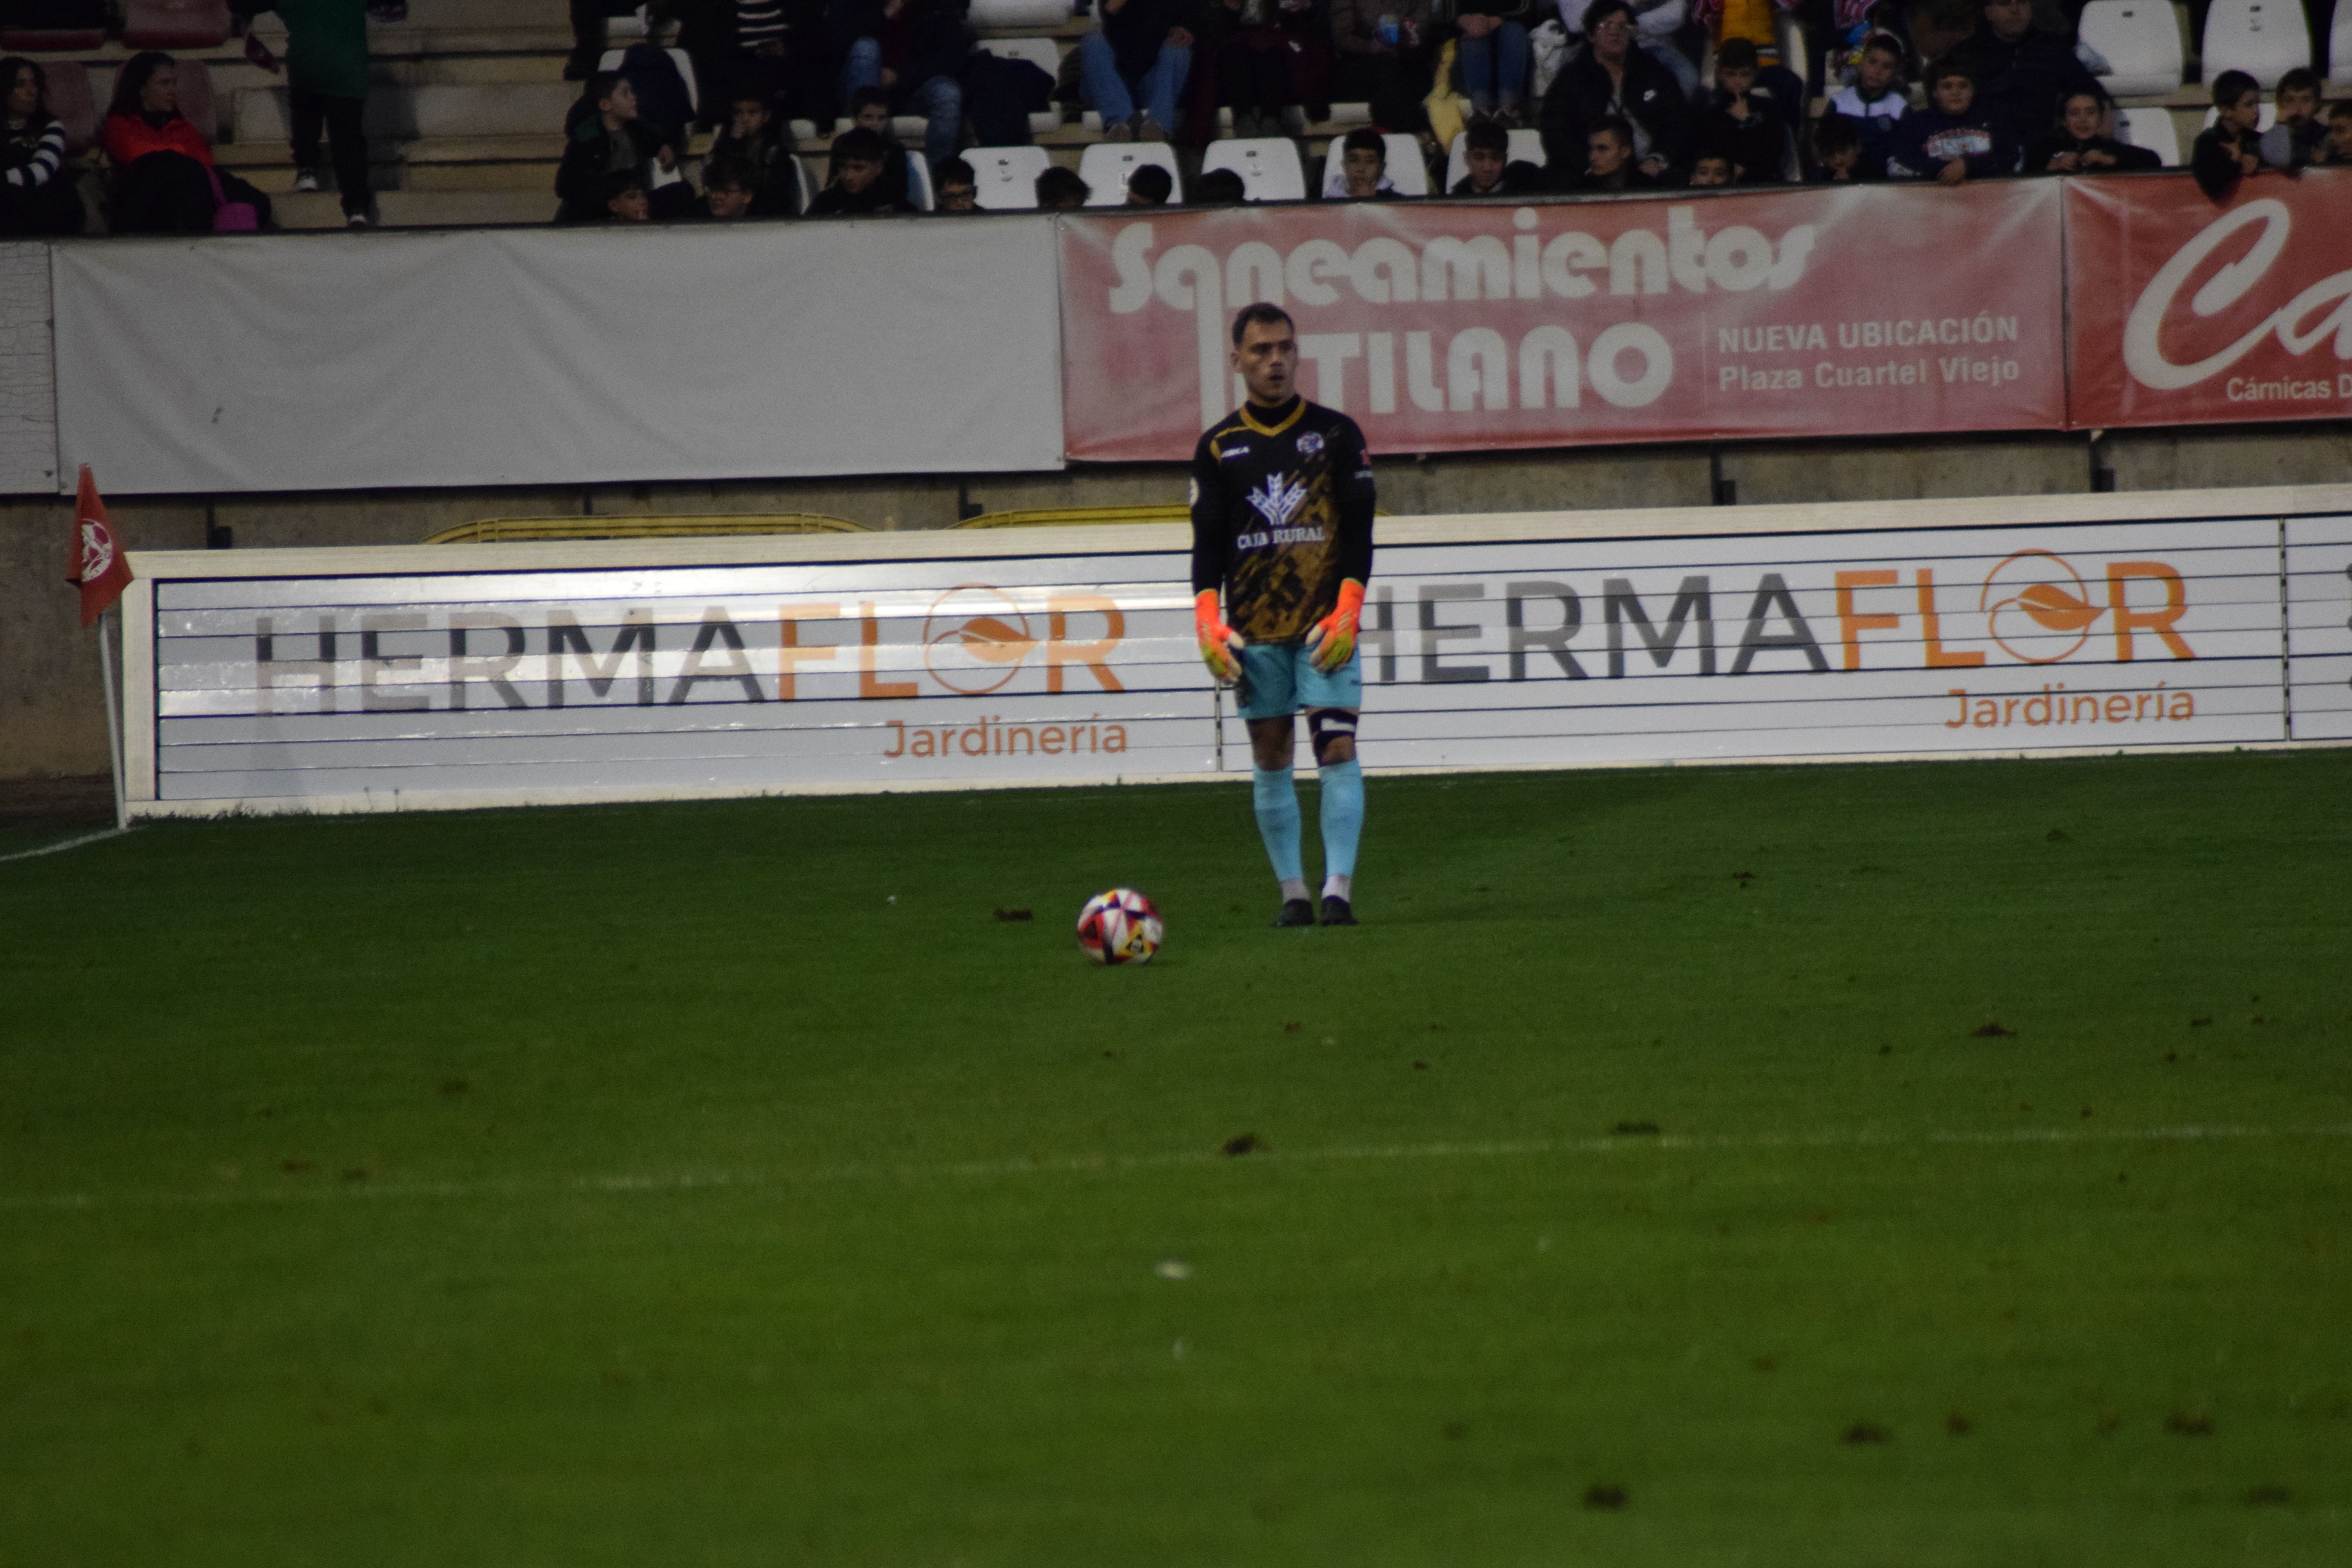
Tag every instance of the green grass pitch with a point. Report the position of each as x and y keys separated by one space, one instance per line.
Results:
x=1641 y=1183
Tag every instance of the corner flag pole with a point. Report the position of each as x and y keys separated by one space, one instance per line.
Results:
x=108 y=624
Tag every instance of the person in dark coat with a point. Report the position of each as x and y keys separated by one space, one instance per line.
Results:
x=2019 y=69
x=915 y=49
x=755 y=135
x=1257 y=57
x=1955 y=137
x=2230 y=149
x=2080 y=143
x=605 y=138
x=1609 y=163
x=1487 y=167
x=36 y=184
x=1612 y=79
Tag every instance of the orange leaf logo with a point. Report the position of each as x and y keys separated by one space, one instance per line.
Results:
x=987 y=638
x=2054 y=609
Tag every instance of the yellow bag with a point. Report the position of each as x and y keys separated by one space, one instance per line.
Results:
x=1449 y=111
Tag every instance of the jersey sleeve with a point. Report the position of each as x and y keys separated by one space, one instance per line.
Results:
x=1212 y=539
x=1352 y=499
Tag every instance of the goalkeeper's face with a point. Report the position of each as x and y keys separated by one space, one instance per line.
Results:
x=1268 y=359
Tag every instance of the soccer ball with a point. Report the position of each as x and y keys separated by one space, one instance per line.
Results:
x=1119 y=927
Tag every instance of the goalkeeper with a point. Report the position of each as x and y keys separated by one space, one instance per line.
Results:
x=1282 y=523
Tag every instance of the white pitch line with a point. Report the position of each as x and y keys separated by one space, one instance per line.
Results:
x=64 y=845
x=627 y=1184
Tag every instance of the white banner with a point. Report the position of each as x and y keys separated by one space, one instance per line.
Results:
x=463 y=676
x=546 y=356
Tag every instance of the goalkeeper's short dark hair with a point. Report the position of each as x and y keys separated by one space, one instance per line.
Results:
x=1261 y=314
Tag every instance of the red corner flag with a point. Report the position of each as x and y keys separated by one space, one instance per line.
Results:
x=98 y=566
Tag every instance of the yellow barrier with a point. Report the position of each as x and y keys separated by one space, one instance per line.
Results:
x=1064 y=517
x=511 y=529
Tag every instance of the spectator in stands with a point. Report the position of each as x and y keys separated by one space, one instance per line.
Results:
x=1609 y=163
x=1713 y=166
x=1613 y=80
x=1491 y=54
x=1220 y=188
x=1364 y=168
x=605 y=138
x=2080 y=145
x=1837 y=152
x=588 y=19
x=1656 y=24
x=780 y=51
x=626 y=198
x=1131 y=69
x=869 y=106
x=855 y=189
x=1952 y=139
x=1386 y=56
x=1062 y=190
x=1738 y=122
x=755 y=136
x=2020 y=70
x=1487 y=155
x=1257 y=57
x=1875 y=102
x=664 y=104
x=2337 y=148
x=915 y=49
x=37 y=189
x=1149 y=185
x=326 y=86
x=2299 y=136
x=163 y=177
x=730 y=186
x=2230 y=148
x=1757 y=21
x=957 y=187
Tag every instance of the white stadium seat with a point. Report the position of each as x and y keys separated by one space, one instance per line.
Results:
x=1002 y=15
x=1047 y=56
x=610 y=61
x=1407 y=175
x=2339 y=44
x=1268 y=166
x=2264 y=38
x=2152 y=129
x=2140 y=39
x=1527 y=147
x=1007 y=176
x=1796 y=48
x=1105 y=165
x=918 y=182
x=1349 y=115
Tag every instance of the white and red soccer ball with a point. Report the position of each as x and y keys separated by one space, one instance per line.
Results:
x=1119 y=927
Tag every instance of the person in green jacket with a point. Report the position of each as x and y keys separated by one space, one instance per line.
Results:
x=326 y=86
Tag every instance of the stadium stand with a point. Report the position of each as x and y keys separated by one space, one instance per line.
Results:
x=39 y=27
x=1077 y=517
x=1047 y=56
x=1008 y=15
x=1006 y=177
x=2152 y=129
x=2139 y=39
x=1105 y=165
x=1527 y=147
x=610 y=60
x=175 y=24
x=1407 y=174
x=1268 y=166
x=2264 y=38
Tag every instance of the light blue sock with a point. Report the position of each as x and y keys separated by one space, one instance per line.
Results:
x=1343 y=823
x=1276 y=800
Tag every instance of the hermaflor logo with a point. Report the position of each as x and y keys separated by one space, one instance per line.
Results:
x=2300 y=325
x=974 y=639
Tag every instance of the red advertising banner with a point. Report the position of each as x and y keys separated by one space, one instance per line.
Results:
x=1443 y=327
x=2185 y=312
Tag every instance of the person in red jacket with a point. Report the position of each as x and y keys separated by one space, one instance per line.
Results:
x=163 y=179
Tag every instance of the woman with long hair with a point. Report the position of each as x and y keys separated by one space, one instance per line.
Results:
x=163 y=179
x=36 y=184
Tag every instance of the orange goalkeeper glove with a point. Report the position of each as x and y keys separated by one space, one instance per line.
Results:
x=1220 y=644
x=1333 y=641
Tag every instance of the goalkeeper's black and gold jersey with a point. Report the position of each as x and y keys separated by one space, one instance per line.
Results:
x=1282 y=514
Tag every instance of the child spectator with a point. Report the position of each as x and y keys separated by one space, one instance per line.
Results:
x=163 y=177
x=1713 y=166
x=624 y=197
x=869 y=106
x=1754 y=21
x=755 y=136
x=2080 y=145
x=2299 y=134
x=1608 y=160
x=1386 y=54
x=1256 y=58
x=1877 y=101
x=1611 y=79
x=1061 y=190
x=1131 y=69
x=1491 y=54
x=855 y=189
x=1486 y=153
x=663 y=103
x=2337 y=148
x=1364 y=168
x=2230 y=148
x=326 y=88
x=1837 y=150
x=729 y=188
x=1951 y=140
x=37 y=191
x=1737 y=122
x=915 y=49
x=1149 y=185
x=956 y=187
x=606 y=139
x=1220 y=188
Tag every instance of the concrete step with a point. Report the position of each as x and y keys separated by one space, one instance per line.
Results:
x=422 y=209
x=519 y=175
x=468 y=71
x=513 y=109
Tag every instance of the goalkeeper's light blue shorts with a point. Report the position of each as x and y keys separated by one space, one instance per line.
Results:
x=1279 y=679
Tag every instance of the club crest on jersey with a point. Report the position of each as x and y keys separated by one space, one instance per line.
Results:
x=1277 y=499
x=1309 y=443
